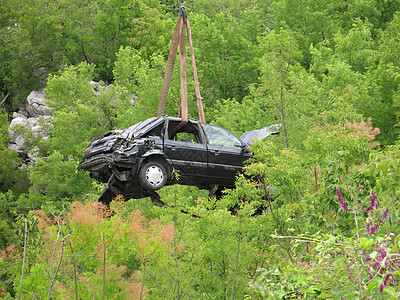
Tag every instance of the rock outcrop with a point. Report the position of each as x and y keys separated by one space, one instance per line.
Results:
x=26 y=125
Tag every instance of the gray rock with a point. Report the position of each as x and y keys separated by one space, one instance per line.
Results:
x=36 y=106
x=27 y=122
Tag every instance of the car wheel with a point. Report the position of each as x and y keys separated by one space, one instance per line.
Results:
x=152 y=176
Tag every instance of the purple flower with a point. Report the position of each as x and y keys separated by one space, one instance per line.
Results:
x=385 y=214
x=366 y=258
x=350 y=274
x=368 y=208
x=382 y=254
x=374 y=204
x=388 y=277
x=372 y=230
x=376 y=266
x=342 y=203
x=390 y=234
x=360 y=187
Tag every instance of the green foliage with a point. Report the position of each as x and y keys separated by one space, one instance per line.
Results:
x=229 y=113
x=4 y=138
x=280 y=169
x=56 y=178
x=211 y=256
x=127 y=68
x=38 y=38
x=225 y=54
x=336 y=143
x=338 y=266
x=11 y=176
x=300 y=222
x=286 y=90
x=357 y=48
x=354 y=248
x=382 y=173
x=7 y=215
x=144 y=78
x=83 y=253
x=315 y=21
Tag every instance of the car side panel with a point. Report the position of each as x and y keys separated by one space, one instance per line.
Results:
x=224 y=163
x=190 y=159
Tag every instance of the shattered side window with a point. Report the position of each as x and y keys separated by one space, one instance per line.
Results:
x=221 y=136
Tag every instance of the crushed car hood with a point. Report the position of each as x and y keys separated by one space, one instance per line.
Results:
x=260 y=134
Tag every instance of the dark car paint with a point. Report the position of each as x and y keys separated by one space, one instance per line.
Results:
x=117 y=157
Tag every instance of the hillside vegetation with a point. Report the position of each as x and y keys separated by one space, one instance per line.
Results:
x=328 y=70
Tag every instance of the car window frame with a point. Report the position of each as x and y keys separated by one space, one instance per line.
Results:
x=201 y=135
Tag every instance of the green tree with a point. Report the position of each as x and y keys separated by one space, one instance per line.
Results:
x=225 y=54
x=313 y=21
x=357 y=48
x=358 y=245
x=82 y=111
x=40 y=37
x=144 y=78
x=12 y=177
x=278 y=66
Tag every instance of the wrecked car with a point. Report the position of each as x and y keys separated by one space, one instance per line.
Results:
x=141 y=159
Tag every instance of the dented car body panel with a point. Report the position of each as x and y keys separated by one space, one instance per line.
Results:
x=140 y=159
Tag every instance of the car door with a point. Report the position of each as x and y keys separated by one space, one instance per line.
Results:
x=226 y=154
x=186 y=148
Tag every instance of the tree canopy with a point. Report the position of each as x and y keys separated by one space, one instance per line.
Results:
x=314 y=213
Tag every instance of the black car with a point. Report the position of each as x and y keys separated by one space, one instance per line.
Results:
x=143 y=158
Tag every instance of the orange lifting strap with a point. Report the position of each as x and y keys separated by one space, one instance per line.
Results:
x=180 y=38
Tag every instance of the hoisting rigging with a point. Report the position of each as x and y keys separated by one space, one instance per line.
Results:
x=179 y=37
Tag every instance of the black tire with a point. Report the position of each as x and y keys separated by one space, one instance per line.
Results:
x=152 y=176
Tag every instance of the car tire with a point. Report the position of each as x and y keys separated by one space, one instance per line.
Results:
x=152 y=176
